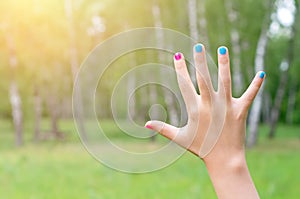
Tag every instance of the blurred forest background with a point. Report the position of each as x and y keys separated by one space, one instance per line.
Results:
x=43 y=43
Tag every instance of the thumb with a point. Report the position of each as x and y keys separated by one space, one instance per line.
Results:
x=164 y=129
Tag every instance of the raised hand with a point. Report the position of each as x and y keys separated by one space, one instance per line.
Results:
x=216 y=125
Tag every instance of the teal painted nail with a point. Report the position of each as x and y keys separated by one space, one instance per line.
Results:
x=198 y=48
x=222 y=50
x=262 y=74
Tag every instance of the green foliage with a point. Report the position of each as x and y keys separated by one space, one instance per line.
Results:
x=41 y=33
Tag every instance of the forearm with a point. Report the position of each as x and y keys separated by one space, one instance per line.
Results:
x=231 y=179
x=216 y=123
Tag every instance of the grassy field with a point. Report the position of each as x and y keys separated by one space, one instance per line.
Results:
x=66 y=170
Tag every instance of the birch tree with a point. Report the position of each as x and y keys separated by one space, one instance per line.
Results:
x=255 y=111
x=291 y=103
x=233 y=16
x=15 y=99
x=74 y=65
x=131 y=85
x=169 y=100
x=194 y=34
x=204 y=38
x=284 y=77
x=37 y=113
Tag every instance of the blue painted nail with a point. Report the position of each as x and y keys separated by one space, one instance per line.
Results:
x=198 y=48
x=262 y=74
x=222 y=50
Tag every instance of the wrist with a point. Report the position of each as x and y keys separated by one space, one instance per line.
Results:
x=231 y=177
x=232 y=163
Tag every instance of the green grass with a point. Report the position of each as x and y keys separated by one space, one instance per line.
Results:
x=66 y=170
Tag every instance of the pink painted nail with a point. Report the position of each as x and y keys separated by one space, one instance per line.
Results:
x=177 y=56
x=149 y=127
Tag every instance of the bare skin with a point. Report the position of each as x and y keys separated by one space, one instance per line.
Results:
x=216 y=125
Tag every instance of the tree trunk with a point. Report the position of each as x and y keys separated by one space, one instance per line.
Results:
x=192 y=10
x=15 y=99
x=204 y=39
x=285 y=66
x=266 y=108
x=17 y=115
x=291 y=103
x=194 y=34
x=74 y=68
x=256 y=106
x=154 y=112
x=54 y=123
x=54 y=114
x=37 y=115
x=236 y=48
x=131 y=96
x=142 y=101
x=168 y=98
x=277 y=104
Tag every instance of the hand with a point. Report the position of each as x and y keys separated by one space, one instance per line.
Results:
x=216 y=125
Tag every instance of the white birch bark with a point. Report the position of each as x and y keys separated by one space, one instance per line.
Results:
x=169 y=100
x=284 y=77
x=266 y=110
x=73 y=50
x=154 y=112
x=17 y=114
x=131 y=84
x=194 y=34
x=192 y=11
x=277 y=102
x=256 y=106
x=74 y=67
x=236 y=48
x=203 y=37
x=15 y=99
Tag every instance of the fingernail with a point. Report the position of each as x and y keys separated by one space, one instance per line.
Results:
x=198 y=48
x=222 y=50
x=262 y=74
x=149 y=126
x=177 y=56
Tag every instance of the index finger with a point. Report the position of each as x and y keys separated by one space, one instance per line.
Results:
x=184 y=81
